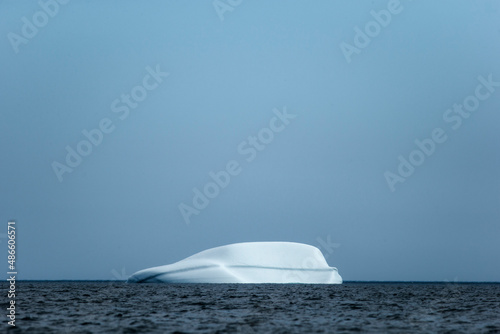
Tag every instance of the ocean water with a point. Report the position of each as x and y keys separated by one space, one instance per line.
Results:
x=118 y=307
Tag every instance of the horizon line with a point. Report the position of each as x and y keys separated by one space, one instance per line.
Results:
x=345 y=281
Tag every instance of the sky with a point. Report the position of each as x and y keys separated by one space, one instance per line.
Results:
x=134 y=134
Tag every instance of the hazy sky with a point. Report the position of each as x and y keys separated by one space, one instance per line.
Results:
x=355 y=104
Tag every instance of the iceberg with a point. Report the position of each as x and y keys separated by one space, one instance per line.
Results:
x=248 y=262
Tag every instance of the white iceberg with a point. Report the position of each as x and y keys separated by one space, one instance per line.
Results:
x=249 y=262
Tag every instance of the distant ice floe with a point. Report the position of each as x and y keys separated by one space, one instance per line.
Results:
x=249 y=262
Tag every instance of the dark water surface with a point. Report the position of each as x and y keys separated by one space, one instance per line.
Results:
x=117 y=307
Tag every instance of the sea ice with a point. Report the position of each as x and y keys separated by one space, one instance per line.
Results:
x=249 y=262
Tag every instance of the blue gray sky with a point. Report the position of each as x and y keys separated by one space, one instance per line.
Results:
x=326 y=176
